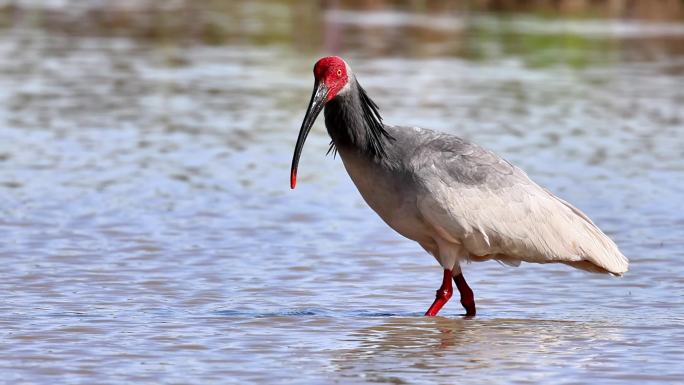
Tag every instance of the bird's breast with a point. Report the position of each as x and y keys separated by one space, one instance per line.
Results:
x=388 y=192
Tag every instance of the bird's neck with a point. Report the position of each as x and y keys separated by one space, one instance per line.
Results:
x=353 y=122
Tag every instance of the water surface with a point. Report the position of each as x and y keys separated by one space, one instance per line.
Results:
x=149 y=234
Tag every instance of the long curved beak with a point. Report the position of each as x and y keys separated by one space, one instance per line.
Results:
x=318 y=100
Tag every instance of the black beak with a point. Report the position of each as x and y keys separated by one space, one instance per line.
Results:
x=318 y=100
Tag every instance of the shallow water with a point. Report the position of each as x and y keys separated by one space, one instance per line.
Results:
x=149 y=233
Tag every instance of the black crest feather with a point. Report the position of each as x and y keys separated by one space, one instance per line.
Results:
x=375 y=130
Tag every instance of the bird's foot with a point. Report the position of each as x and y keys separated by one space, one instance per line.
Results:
x=442 y=296
x=467 y=296
x=469 y=308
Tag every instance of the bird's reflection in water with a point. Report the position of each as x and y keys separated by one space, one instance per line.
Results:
x=398 y=348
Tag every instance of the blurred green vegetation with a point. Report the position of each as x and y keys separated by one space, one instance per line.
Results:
x=473 y=29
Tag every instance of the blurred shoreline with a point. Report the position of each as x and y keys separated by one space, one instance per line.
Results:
x=565 y=31
x=215 y=22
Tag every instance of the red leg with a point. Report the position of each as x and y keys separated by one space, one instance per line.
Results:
x=443 y=295
x=467 y=297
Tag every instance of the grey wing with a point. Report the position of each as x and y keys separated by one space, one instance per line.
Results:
x=479 y=200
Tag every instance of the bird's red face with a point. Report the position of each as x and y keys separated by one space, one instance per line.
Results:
x=331 y=71
x=332 y=76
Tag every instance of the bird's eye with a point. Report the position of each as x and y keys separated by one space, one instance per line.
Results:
x=339 y=72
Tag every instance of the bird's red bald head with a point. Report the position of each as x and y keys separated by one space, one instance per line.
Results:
x=333 y=72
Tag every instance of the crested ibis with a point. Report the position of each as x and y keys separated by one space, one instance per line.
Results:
x=459 y=201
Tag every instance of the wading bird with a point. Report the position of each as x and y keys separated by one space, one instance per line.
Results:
x=459 y=201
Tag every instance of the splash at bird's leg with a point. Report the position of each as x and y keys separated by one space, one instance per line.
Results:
x=443 y=294
x=467 y=297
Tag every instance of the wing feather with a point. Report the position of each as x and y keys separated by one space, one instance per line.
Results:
x=497 y=212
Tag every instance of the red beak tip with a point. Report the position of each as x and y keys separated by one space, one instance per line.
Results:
x=293 y=180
